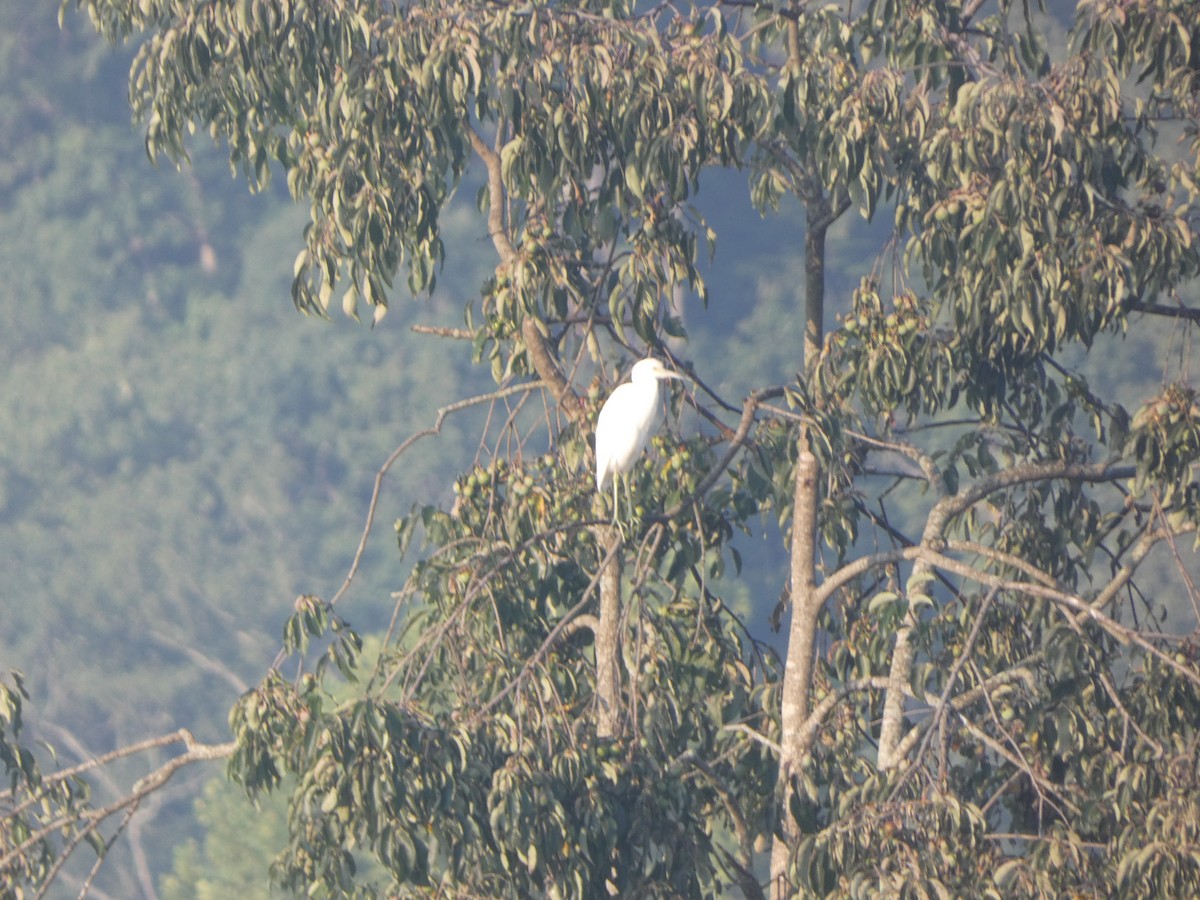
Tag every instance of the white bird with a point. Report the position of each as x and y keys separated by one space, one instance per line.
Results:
x=626 y=420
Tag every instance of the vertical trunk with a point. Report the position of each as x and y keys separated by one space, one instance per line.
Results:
x=818 y=214
x=797 y=675
x=892 y=728
x=608 y=639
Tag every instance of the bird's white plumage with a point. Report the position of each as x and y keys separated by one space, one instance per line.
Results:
x=626 y=420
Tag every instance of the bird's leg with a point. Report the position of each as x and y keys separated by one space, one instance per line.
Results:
x=628 y=497
x=616 y=507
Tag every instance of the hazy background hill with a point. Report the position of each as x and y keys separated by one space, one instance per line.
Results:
x=182 y=453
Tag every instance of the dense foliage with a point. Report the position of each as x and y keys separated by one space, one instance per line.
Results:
x=990 y=679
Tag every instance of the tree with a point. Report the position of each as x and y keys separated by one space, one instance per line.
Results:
x=979 y=694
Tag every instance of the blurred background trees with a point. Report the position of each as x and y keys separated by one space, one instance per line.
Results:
x=978 y=249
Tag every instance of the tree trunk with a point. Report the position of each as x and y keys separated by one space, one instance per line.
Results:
x=608 y=639
x=819 y=216
x=797 y=675
x=892 y=729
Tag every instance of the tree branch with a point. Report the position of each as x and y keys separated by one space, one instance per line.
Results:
x=954 y=504
x=458 y=334
x=608 y=634
x=1085 y=609
x=795 y=692
x=999 y=749
x=939 y=709
x=808 y=732
x=495 y=187
x=735 y=444
x=432 y=430
x=755 y=734
x=143 y=787
x=579 y=623
x=536 y=345
x=1162 y=309
x=900 y=672
x=202 y=660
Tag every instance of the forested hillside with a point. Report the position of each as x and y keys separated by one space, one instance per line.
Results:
x=182 y=452
x=937 y=407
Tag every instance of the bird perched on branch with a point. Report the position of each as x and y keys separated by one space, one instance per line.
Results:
x=626 y=420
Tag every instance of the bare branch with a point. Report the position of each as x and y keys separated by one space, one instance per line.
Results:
x=531 y=327
x=202 y=660
x=495 y=184
x=458 y=334
x=1085 y=609
x=165 y=740
x=1006 y=559
x=579 y=623
x=954 y=504
x=90 y=820
x=1162 y=309
x=755 y=734
x=1033 y=472
x=432 y=430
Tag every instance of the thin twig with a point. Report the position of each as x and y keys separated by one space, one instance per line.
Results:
x=458 y=334
x=431 y=431
x=755 y=734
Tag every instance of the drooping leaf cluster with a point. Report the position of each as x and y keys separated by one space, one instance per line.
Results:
x=373 y=110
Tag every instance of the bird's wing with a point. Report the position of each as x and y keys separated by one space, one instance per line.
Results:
x=611 y=434
x=623 y=428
